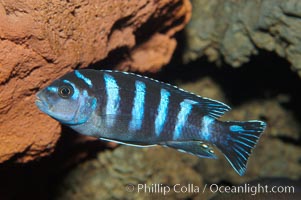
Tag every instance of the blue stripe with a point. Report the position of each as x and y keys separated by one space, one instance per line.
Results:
x=246 y=139
x=85 y=79
x=238 y=170
x=94 y=104
x=206 y=128
x=245 y=144
x=236 y=128
x=240 y=163
x=52 y=89
x=237 y=151
x=75 y=90
x=241 y=149
x=82 y=116
x=250 y=135
x=113 y=98
x=138 y=107
x=162 y=112
x=186 y=107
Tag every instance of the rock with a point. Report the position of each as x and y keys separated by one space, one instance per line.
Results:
x=117 y=174
x=233 y=31
x=42 y=40
x=113 y=173
x=156 y=52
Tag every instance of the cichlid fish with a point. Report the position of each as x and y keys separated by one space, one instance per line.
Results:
x=135 y=110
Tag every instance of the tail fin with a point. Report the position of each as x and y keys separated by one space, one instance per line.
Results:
x=241 y=138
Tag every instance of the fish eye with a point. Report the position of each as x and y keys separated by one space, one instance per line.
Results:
x=65 y=91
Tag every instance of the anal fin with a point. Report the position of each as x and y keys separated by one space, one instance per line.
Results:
x=133 y=144
x=197 y=148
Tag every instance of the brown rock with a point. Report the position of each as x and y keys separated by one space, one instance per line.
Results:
x=152 y=54
x=41 y=40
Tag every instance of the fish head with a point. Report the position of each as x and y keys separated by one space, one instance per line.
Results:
x=66 y=100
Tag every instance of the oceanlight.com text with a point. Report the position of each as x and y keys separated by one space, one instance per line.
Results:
x=251 y=189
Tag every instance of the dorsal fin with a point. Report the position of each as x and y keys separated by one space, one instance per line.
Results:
x=209 y=107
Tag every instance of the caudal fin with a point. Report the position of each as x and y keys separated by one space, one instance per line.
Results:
x=241 y=138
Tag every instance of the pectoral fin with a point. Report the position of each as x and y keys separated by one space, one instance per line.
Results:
x=197 y=148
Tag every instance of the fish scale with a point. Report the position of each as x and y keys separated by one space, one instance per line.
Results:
x=151 y=105
x=135 y=110
x=127 y=93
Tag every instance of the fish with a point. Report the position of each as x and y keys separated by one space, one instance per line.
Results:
x=135 y=110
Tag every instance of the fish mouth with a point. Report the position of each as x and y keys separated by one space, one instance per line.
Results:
x=41 y=103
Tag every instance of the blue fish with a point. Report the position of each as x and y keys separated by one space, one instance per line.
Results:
x=130 y=109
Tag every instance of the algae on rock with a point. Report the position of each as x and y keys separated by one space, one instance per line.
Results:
x=233 y=31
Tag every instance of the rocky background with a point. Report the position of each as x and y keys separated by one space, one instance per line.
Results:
x=43 y=40
x=232 y=31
